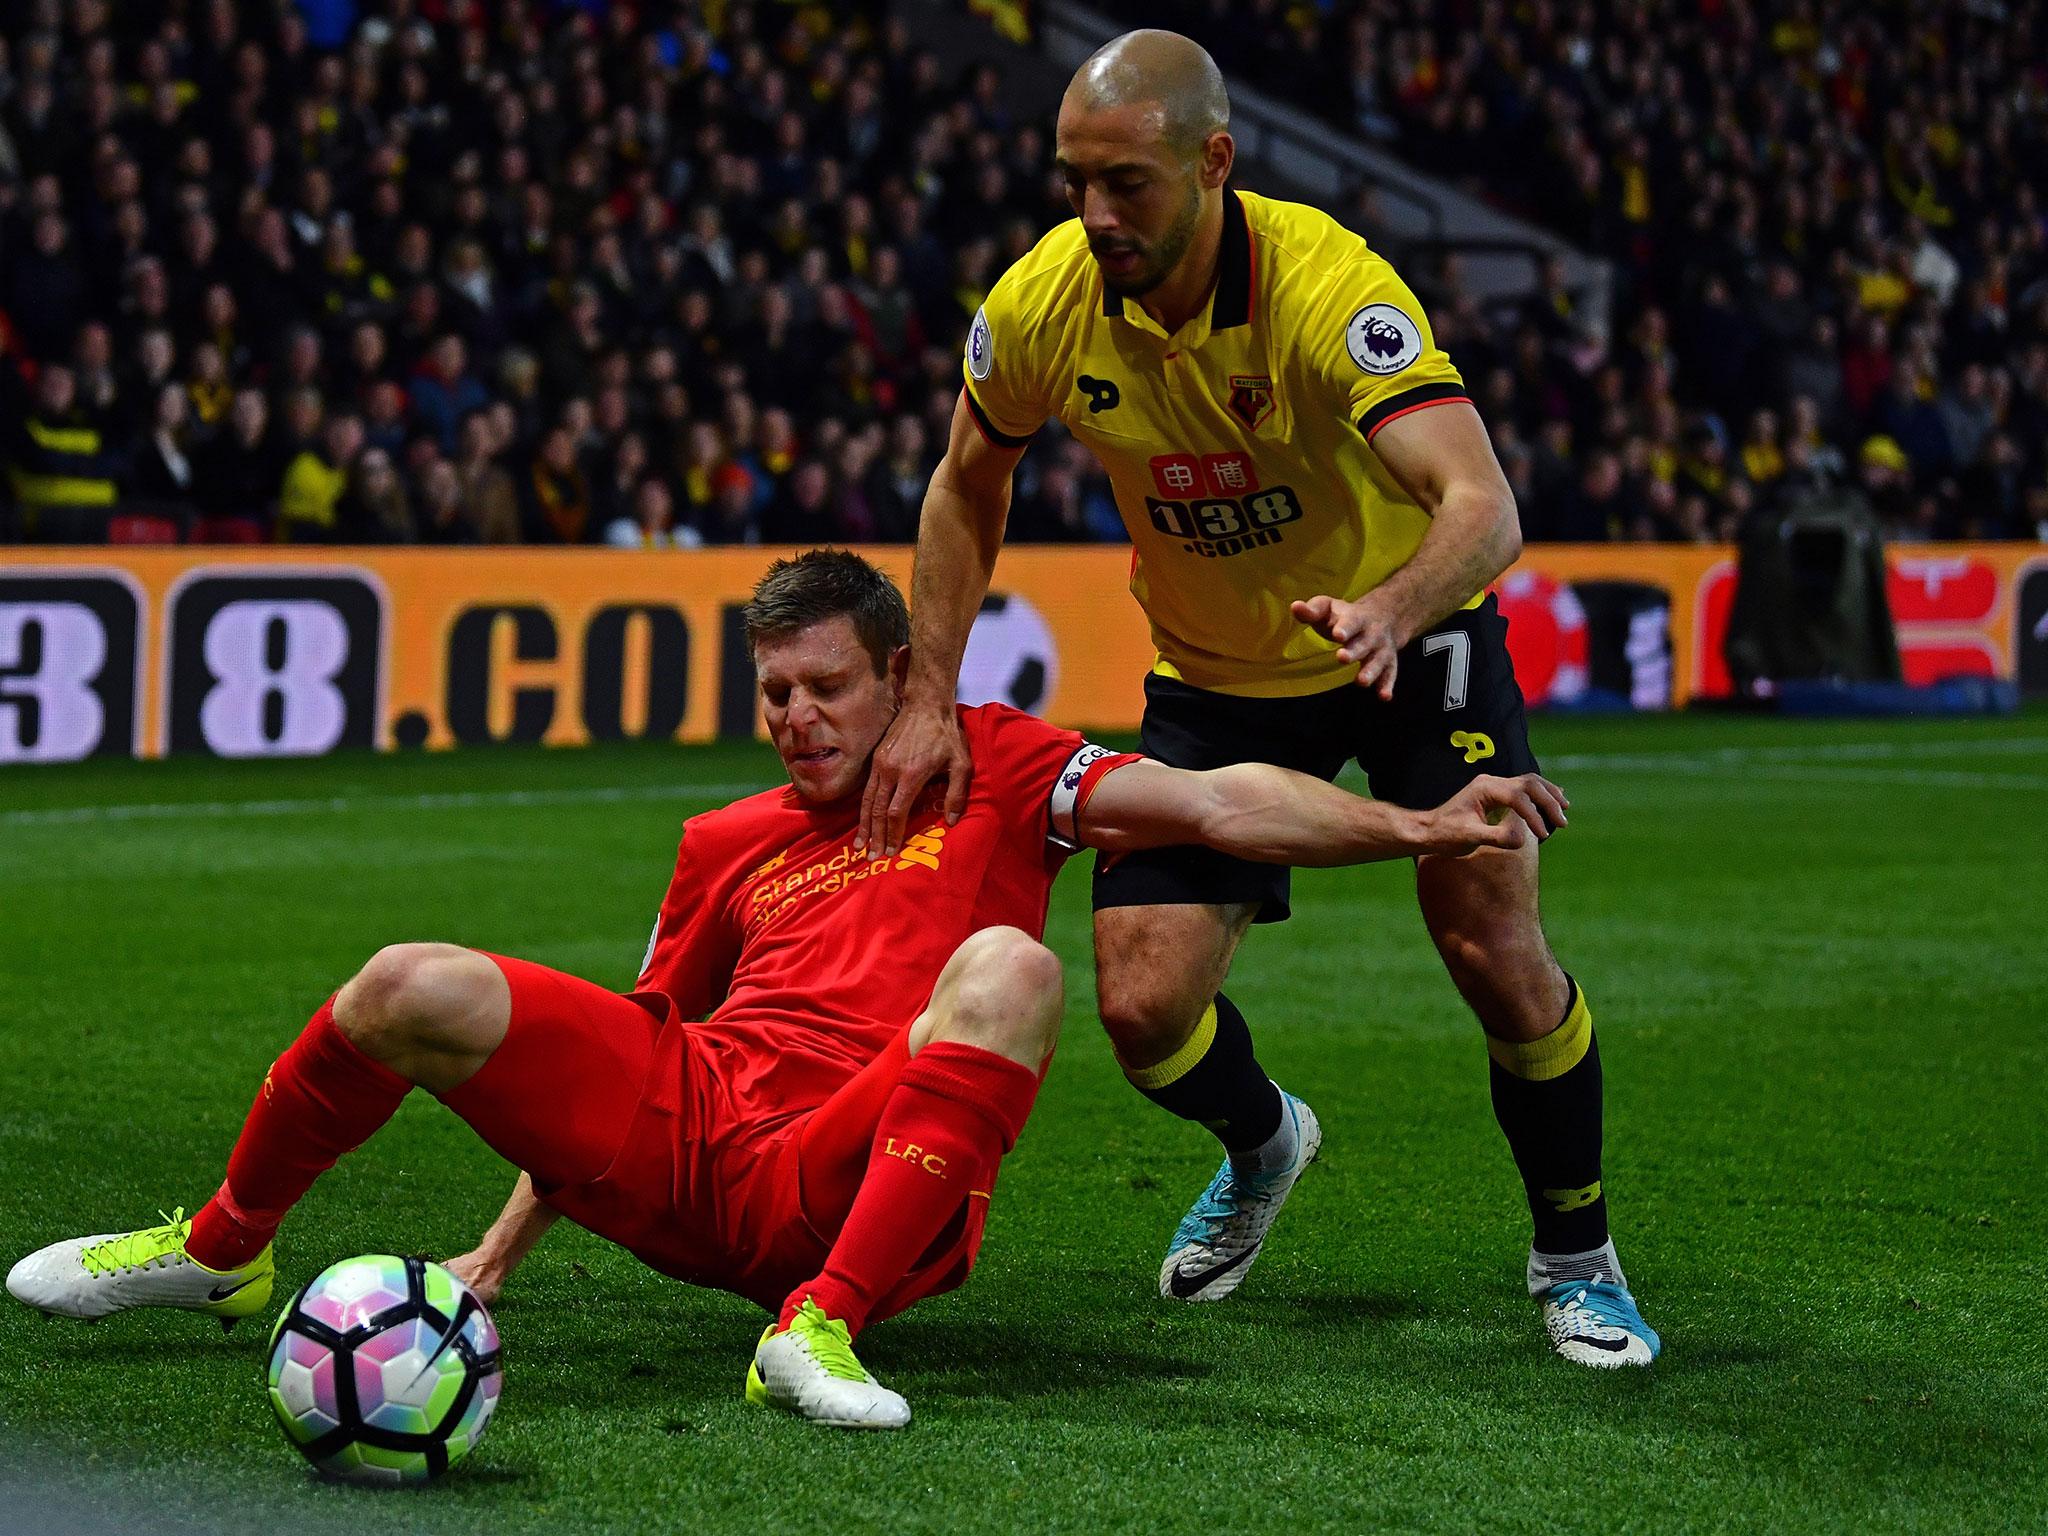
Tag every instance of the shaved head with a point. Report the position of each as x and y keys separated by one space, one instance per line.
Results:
x=1143 y=148
x=1163 y=70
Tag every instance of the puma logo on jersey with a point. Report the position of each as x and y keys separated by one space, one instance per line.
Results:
x=1103 y=395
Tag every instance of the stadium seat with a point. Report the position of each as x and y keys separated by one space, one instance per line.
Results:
x=227 y=530
x=143 y=528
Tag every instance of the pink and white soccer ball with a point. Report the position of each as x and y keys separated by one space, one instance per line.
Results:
x=385 y=1370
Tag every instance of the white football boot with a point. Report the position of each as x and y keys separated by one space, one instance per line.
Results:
x=90 y=1277
x=809 y=1368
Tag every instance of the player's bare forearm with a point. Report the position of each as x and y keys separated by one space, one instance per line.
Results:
x=1275 y=816
x=519 y=1227
x=1474 y=535
x=1443 y=458
x=959 y=532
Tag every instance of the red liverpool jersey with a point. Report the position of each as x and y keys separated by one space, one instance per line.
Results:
x=809 y=957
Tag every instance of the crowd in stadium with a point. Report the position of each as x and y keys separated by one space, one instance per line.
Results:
x=447 y=271
x=1828 y=221
x=448 y=274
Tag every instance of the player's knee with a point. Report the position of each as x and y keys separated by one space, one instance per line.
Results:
x=1146 y=1015
x=1011 y=991
x=1503 y=975
x=1468 y=951
x=413 y=997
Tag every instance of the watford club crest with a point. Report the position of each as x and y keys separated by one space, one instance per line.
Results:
x=1251 y=399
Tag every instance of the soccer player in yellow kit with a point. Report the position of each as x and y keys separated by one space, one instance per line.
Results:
x=1316 y=513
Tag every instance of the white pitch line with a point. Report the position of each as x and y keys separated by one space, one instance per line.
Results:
x=1847 y=762
x=1805 y=773
x=1819 y=752
x=1850 y=761
x=203 y=810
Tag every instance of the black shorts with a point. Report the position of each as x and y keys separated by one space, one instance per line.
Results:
x=1456 y=713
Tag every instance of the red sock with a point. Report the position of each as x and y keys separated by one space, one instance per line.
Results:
x=321 y=1098
x=956 y=1111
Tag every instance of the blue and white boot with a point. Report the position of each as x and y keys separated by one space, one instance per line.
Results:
x=1591 y=1319
x=1214 y=1246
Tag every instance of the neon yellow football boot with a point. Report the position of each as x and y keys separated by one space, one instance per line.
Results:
x=90 y=1277
x=810 y=1369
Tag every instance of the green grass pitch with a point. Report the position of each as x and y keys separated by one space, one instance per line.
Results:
x=1817 y=958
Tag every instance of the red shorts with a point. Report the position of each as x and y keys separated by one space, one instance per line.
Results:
x=626 y=1125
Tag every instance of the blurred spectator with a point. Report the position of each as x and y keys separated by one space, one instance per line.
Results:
x=59 y=466
x=444 y=391
x=1883 y=475
x=376 y=509
x=1907 y=414
x=309 y=509
x=801 y=513
x=1763 y=455
x=441 y=519
x=384 y=418
x=731 y=518
x=45 y=291
x=899 y=479
x=558 y=505
x=162 y=473
x=650 y=520
x=619 y=486
x=1967 y=416
x=209 y=387
x=488 y=498
x=98 y=391
x=237 y=473
x=1601 y=510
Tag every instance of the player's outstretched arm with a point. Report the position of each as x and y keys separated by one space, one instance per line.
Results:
x=522 y=1224
x=958 y=534
x=1277 y=816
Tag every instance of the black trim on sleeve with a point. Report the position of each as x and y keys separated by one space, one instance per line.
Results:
x=988 y=428
x=1407 y=400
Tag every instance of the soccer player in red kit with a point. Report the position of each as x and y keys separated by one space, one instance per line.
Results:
x=806 y=1099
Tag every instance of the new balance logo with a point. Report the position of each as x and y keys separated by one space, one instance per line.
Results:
x=1474 y=744
x=1103 y=395
x=1573 y=1199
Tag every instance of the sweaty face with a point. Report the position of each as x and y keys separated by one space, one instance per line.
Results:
x=1138 y=198
x=826 y=705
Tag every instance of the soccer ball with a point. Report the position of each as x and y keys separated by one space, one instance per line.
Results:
x=384 y=1370
x=1011 y=656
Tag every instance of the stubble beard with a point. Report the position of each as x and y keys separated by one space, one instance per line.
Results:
x=1168 y=250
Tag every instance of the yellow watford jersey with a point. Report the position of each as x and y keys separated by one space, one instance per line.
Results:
x=1239 y=447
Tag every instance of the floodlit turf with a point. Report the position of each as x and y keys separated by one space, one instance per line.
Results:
x=1817 y=958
